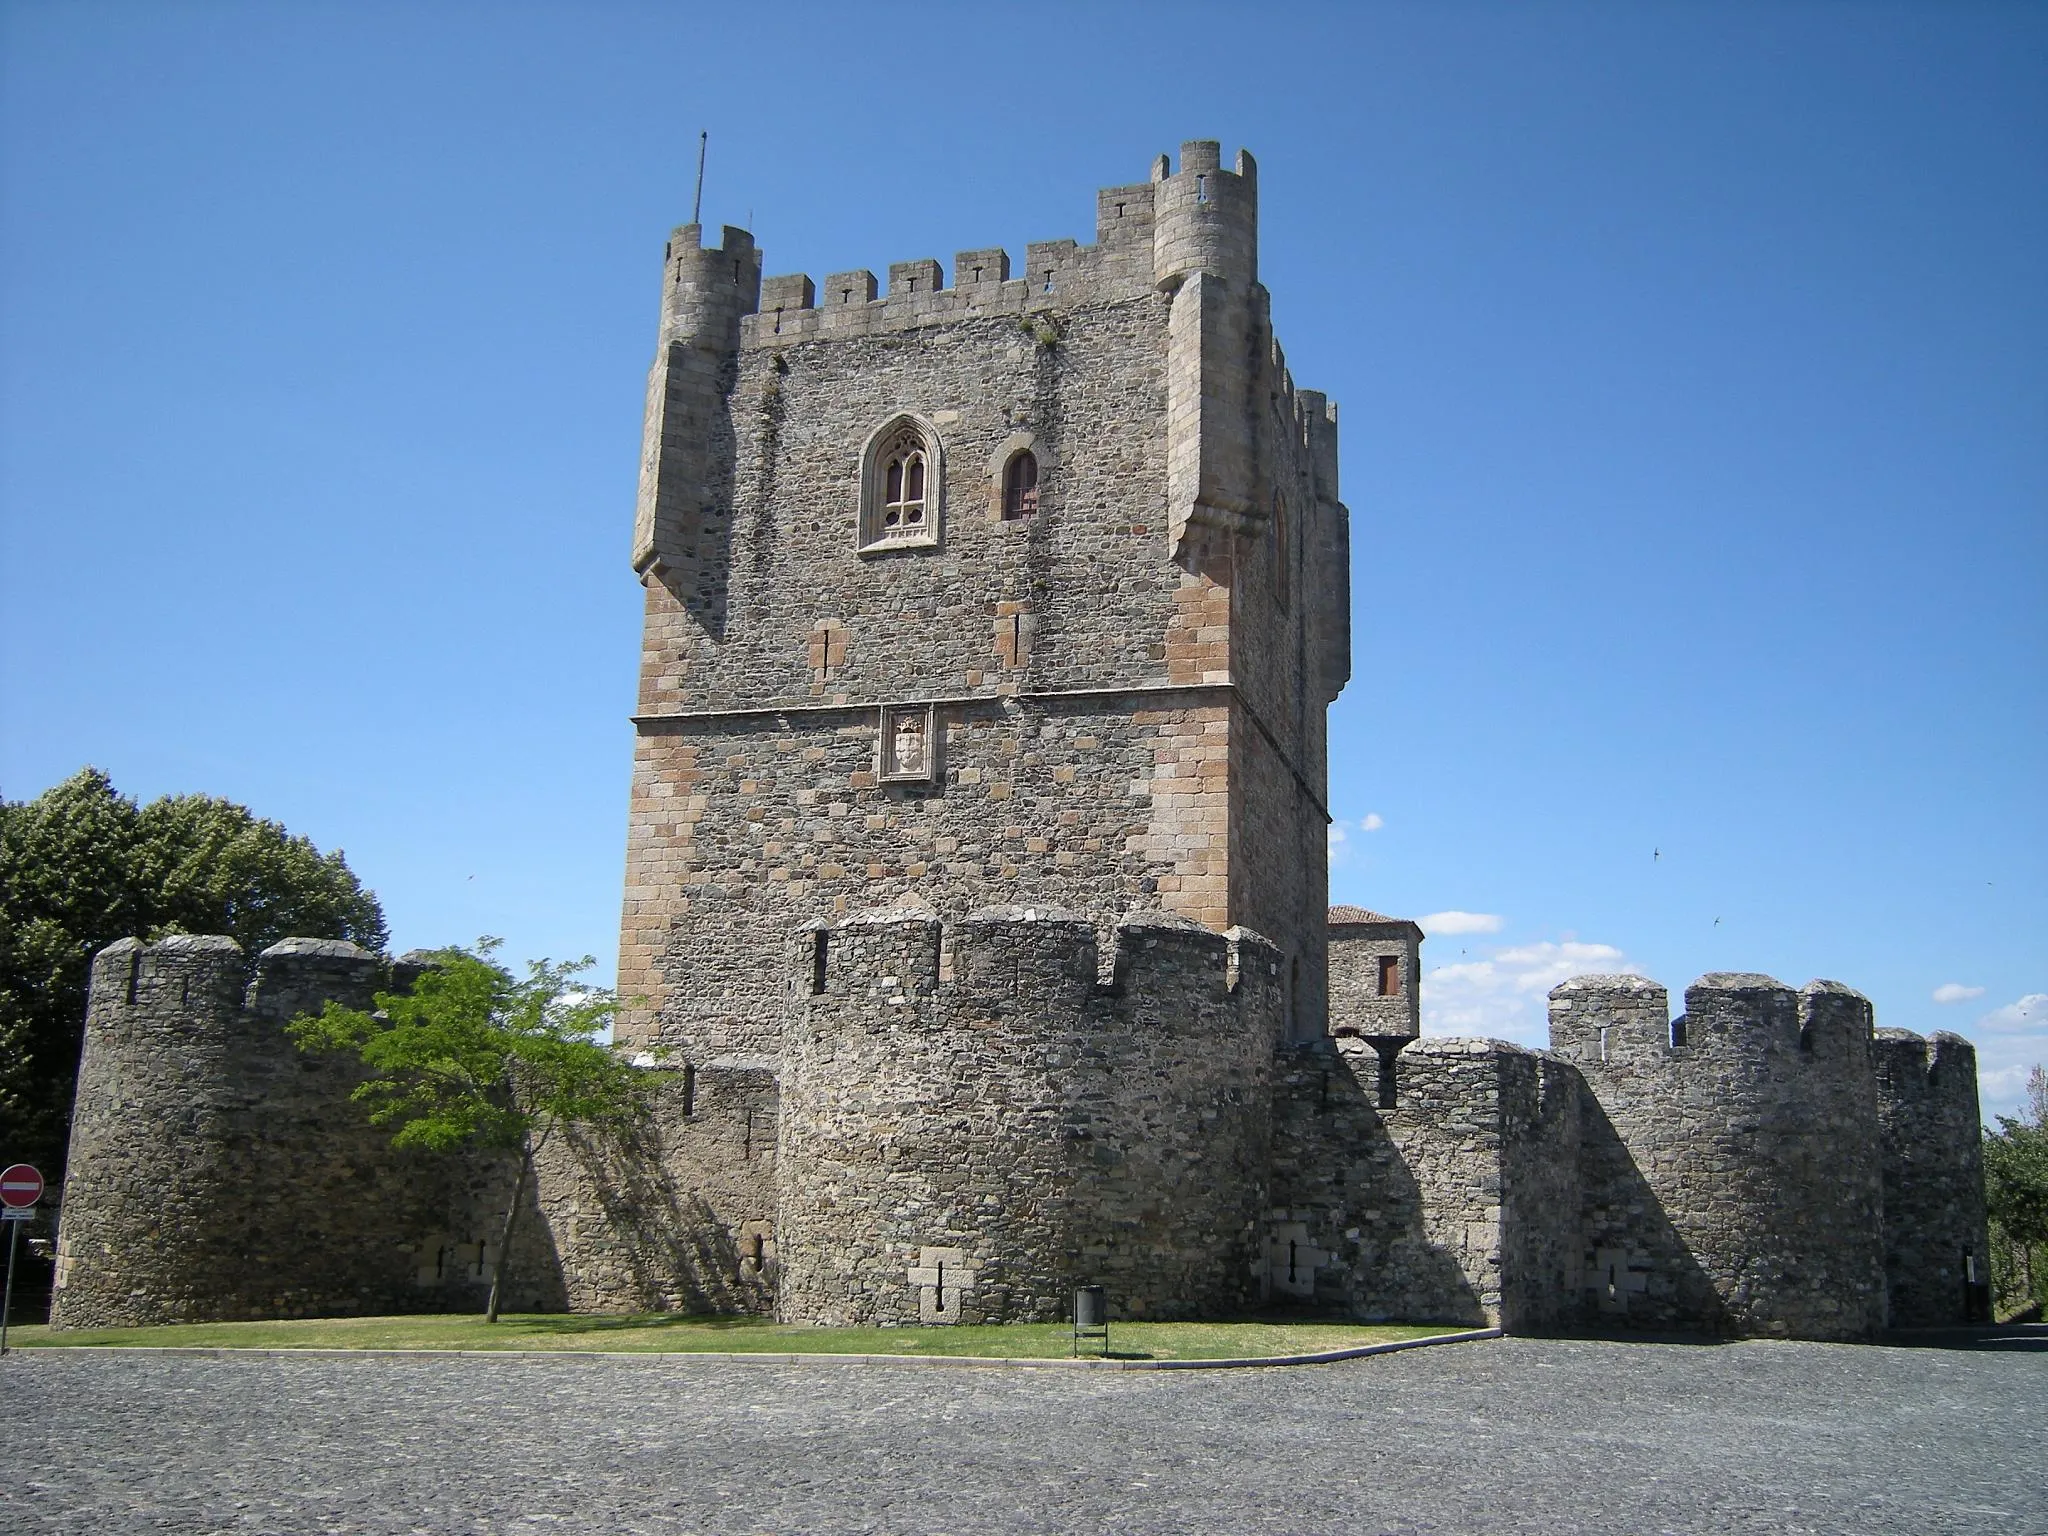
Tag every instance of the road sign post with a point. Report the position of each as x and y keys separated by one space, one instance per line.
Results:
x=20 y=1188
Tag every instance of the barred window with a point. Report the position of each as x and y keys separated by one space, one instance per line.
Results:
x=1020 y=485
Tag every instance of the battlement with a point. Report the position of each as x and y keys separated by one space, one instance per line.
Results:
x=1012 y=956
x=705 y=291
x=202 y=978
x=1205 y=219
x=1601 y=1019
x=1622 y=1021
x=1913 y=1067
x=1149 y=235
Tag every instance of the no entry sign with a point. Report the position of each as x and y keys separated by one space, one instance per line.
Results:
x=20 y=1185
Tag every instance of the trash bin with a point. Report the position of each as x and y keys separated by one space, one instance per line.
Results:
x=1091 y=1316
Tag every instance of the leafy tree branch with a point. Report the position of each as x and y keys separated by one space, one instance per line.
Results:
x=472 y=1058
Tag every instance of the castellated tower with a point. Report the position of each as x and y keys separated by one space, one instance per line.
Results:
x=1748 y=1128
x=974 y=1117
x=218 y=1172
x=1023 y=585
x=975 y=938
x=1936 y=1242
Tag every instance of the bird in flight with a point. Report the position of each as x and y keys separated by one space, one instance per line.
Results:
x=1656 y=854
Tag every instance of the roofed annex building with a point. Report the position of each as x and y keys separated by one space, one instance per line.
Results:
x=976 y=924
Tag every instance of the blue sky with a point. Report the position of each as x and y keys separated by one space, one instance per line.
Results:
x=1693 y=362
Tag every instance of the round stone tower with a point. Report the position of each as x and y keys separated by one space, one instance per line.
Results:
x=974 y=1119
x=217 y=1171
x=1731 y=1156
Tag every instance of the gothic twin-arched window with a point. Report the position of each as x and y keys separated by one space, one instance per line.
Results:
x=900 y=482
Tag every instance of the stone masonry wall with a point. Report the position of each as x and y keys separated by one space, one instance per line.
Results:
x=1130 y=680
x=1359 y=942
x=1932 y=1162
x=1730 y=1157
x=218 y=1172
x=972 y=1126
x=677 y=1213
x=1455 y=1203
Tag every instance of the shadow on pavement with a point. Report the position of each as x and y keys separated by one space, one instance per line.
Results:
x=2011 y=1338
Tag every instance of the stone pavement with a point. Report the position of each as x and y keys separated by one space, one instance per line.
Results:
x=1512 y=1435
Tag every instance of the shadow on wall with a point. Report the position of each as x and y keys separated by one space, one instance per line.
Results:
x=674 y=1212
x=1639 y=1273
x=1352 y=1233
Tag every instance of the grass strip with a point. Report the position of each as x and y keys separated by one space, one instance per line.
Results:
x=670 y=1333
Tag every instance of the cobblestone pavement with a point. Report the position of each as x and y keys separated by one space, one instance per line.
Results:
x=1514 y=1435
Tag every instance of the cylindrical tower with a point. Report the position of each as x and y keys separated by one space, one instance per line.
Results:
x=1728 y=1155
x=147 y=1232
x=1204 y=218
x=1936 y=1243
x=219 y=1172
x=973 y=1120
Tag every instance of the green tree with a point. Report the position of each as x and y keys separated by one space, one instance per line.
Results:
x=82 y=865
x=472 y=1058
x=2016 y=1198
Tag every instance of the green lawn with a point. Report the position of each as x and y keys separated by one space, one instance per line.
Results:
x=669 y=1333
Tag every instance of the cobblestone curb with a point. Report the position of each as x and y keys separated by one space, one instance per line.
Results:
x=663 y=1357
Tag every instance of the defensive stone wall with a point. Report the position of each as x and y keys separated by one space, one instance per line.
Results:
x=1935 y=1251
x=975 y=1118
x=675 y=1213
x=1731 y=1162
x=218 y=1172
x=1436 y=1184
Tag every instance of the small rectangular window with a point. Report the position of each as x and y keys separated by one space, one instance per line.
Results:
x=1390 y=975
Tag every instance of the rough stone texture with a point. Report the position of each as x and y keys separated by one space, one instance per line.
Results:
x=1110 y=705
x=1934 y=1222
x=217 y=1171
x=1130 y=681
x=1513 y=1436
x=1457 y=1201
x=676 y=1212
x=1375 y=975
x=1732 y=1155
x=975 y=1119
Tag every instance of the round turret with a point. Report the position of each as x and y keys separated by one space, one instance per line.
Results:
x=1205 y=219
x=1749 y=1124
x=704 y=292
x=216 y=1170
x=973 y=1119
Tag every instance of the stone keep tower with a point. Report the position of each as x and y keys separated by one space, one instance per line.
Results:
x=1027 y=587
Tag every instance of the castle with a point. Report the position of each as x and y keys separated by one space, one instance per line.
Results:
x=976 y=929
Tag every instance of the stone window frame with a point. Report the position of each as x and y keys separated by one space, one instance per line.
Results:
x=875 y=538
x=887 y=770
x=1007 y=452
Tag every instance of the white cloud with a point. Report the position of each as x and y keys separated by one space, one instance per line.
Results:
x=1447 y=923
x=1372 y=823
x=1956 y=992
x=1339 y=853
x=1504 y=995
x=2028 y=1016
x=2011 y=1041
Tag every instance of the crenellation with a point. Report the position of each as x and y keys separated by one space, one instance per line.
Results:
x=915 y=279
x=980 y=269
x=843 y=289
x=975 y=936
